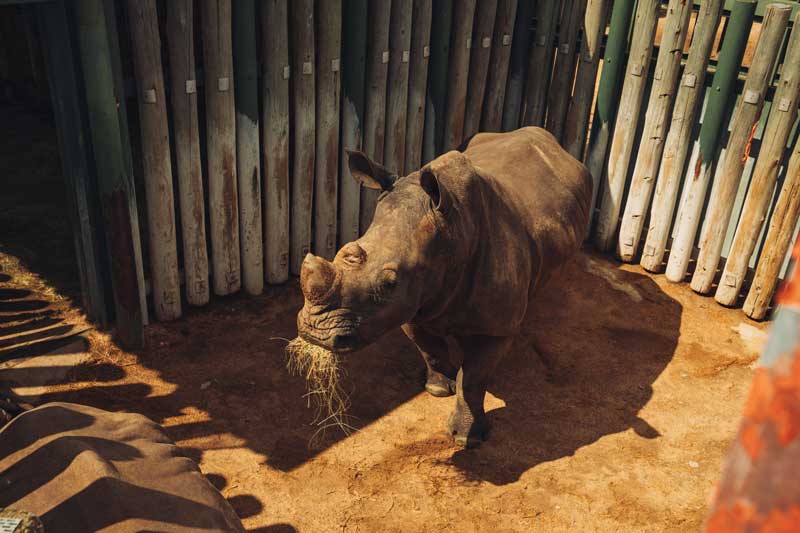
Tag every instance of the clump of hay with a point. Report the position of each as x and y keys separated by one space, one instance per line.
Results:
x=321 y=369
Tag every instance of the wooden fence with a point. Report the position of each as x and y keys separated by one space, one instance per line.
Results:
x=682 y=111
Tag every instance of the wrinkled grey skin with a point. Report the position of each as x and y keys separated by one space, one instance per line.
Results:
x=458 y=248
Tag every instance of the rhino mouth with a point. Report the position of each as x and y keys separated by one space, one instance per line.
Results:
x=336 y=331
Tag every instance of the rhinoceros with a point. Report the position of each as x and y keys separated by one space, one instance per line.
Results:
x=456 y=249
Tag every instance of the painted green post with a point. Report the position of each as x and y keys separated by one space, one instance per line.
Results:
x=248 y=148
x=715 y=122
x=436 y=101
x=61 y=60
x=106 y=110
x=354 y=57
x=608 y=92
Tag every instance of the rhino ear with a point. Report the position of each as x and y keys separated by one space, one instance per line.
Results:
x=440 y=197
x=369 y=173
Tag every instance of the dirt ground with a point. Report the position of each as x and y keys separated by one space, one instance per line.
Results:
x=622 y=429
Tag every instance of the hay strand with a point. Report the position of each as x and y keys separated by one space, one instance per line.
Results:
x=322 y=371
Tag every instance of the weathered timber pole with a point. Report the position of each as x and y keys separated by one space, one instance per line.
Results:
x=301 y=13
x=518 y=66
x=676 y=147
x=66 y=94
x=157 y=164
x=564 y=70
x=275 y=98
x=354 y=50
x=656 y=120
x=248 y=158
x=108 y=125
x=375 y=112
x=492 y=116
x=417 y=83
x=577 y=121
x=329 y=46
x=397 y=86
x=183 y=100
x=541 y=62
x=625 y=130
x=460 y=46
x=782 y=117
x=436 y=100
x=485 y=13
x=779 y=238
x=745 y=121
x=714 y=122
x=605 y=110
x=223 y=201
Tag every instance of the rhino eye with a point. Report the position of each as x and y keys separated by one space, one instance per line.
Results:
x=389 y=279
x=386 y=284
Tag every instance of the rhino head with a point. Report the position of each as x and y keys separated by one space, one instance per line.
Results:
x=397 y=268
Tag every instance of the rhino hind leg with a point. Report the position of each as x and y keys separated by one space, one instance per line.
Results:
x=468 y=424
x=440 y=372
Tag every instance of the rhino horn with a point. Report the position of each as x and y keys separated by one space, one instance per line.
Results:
x=317 y=279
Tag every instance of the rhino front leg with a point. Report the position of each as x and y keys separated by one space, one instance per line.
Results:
x=468 y=424
x=440 y=376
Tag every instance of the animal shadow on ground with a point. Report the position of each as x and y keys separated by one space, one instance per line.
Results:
x=594 y=343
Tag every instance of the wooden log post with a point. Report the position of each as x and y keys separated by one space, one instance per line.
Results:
x=417 y=83
x=375 y=113
x=541 y=62
x=625 y=130
x=605 y=110
x=326 y=184
x=301 y=14
x=248 y=145
x=679 y=137
x=223 y=201
x=779 y=238
x=715 y=120
x=518 y=66
x=657 y=117
x=397 y=86
x=745 y=121
x=483 y=28
x=458 y=77
x=580 y=105
x=66 y=93
x=157 y=163
x=354 y=50
x=275 y=101
x=112 y=164
x=492 y=116
x=183 y=100
x=782 y=117
x=560 y=89
x=436 y=99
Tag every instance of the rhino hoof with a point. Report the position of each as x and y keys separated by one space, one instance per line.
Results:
x=440 y=385
x=466 y=432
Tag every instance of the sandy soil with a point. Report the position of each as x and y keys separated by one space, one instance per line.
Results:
x=613 y=413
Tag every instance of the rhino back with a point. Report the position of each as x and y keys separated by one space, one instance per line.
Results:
x=541 y=185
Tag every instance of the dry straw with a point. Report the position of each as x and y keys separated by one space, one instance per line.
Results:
x=321 y=369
